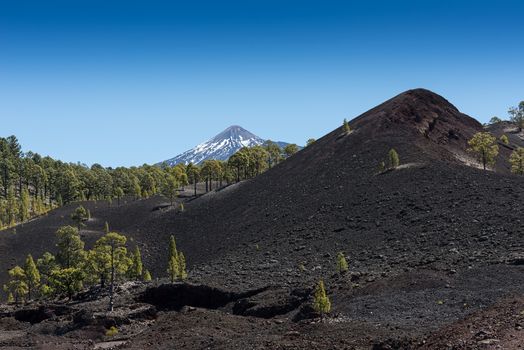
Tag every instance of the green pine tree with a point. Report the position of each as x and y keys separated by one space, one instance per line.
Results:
x=32 y=276
x=484 y=146
x=137 y=267
x=517 y=161
x=173 y=269
x=17 y=284
x=172 y=247
x=342 y=264
x=147 y=276
x=182 y=266
x=394 y=160
x=321 y=302
x=346 y=127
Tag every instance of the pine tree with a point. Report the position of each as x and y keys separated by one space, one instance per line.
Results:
x=46 y=265
x=147 y=276
x=182 y=266
x=321 y=302
x=172 y=247
x=173 y=269
x=342 y=264
x=17 y=284
x=394 y=160
x=119 y=262
x=70 y=247
x=504 y=139
x=137 y=267
x=517 y=161
x=382 y=167
x=32 y=276
x=346 y=127
x=66 y=281
x=517 y=115
x=483 y=144
x=79 y=216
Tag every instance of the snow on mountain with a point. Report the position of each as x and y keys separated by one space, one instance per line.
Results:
x=220 y=147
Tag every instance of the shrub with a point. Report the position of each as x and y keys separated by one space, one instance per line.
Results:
x=342 y=264
x=111 y=332
x=394 y=160
x=321 y=302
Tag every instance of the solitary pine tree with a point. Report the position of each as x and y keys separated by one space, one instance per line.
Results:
x=394 y=160
x=310 y=142
x=321 y=302
x=346 y=127
x=517 y=161
x=484 y=146
x=342 y=264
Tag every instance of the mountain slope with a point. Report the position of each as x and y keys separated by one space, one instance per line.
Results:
x=220 y=147
x=427 y=243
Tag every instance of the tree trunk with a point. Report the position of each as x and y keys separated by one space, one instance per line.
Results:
x=195 y=181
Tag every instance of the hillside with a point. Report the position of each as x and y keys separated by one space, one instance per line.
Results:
x=432 y=245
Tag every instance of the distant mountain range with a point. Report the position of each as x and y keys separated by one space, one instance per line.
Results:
x=220 y=147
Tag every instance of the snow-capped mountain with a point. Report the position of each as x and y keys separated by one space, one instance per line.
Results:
x=220 y=147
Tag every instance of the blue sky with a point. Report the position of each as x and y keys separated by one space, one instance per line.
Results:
x=133 y=82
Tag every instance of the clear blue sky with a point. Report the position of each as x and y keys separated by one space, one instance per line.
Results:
x=129 y=82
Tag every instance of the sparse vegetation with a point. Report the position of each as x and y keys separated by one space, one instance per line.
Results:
x=504 y=139
x=516 y=115
x=310 y=142
x=147 y=276
x=177 y=262
x=484 y=146
x=321 y=302
x=517 y=161
x=290 y=149
x=112 y=331
x=394 y=160
x=382 y=167
x=346 y=127
x=342 y=264
x=495 y=120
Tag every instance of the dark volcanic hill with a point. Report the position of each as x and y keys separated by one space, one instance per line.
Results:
x=431 y=245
